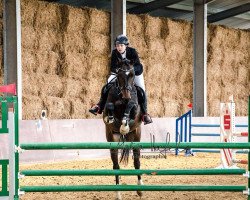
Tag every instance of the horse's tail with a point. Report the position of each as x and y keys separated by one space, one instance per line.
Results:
x=125 y=152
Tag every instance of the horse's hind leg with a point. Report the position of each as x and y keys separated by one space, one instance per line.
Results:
x=137 y=165
x=114 y=157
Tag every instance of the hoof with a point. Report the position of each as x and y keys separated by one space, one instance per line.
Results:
x=124 y=129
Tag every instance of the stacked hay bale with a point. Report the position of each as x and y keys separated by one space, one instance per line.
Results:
x=228 y=68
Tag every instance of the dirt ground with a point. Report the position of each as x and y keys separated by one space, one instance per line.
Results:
x=200 y=160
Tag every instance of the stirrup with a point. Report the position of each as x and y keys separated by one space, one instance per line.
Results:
x=146 y=119
x=95 y=110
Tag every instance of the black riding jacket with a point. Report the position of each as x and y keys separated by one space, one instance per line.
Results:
x=131 y=55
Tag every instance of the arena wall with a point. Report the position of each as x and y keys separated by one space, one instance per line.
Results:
x=66 y=53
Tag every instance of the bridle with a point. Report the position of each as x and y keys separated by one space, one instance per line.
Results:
x=126 y=86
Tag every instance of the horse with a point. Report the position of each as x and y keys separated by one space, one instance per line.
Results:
x=122 y=117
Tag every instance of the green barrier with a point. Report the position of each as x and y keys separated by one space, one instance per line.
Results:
x=128 y=172
x=69 y=188
x=129 y=145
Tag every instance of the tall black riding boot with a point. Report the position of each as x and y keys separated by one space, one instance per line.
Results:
x=98 y=108
x=142 y=98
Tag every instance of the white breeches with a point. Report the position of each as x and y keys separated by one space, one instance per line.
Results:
x=139 y=80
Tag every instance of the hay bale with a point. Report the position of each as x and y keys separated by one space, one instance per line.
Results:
x=99 y=67
x=50 y=85
x=57 y=108
x=76 y=66
x=72 y=88
x=76 y=42
x=29 y=61
x=77 y=20
x=29 y=10
x=140 y=45
x=153 y=27
x=47 y=62
x=79 y=109
x=48 y=16
x=47 y=40
x=135 y=25
x=32 y=107
x=30 y=84
x=99 y=21
x=29 y=37
x=99 y=44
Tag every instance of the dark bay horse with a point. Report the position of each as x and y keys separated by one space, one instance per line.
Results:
x=122 y=117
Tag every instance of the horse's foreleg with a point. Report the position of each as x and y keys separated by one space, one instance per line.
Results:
x=114 y=157
x=137 y=165
x=124 y=129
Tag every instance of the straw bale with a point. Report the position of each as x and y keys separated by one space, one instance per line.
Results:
x=51 y=85
x=139 y=44
x=153 y=27
x=29 y=10
x=76 y=42
x=214 y=107
x=241 y=107
x=77 y=20
x=99 y=67
x=99 y=44
x=99 y=21
x=79 y=109
x=32 y=107
x=244 y=39
x=29 y=37
x=48 y=16
x=135 y=25
x=156 y=47
x=29 y=60
x=73 y=88
x=76 y=66
x=57 y=108
x=214 y=71
x=1 y=31
x=243 y=75
x=47 y=40
x=214 y=89
x=179 y=31
x=30 y=84
x=47 y=62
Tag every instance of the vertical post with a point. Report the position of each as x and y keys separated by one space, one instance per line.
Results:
x=11 y=127
x=4 y=164
x=248 y=149
x=4 y=128
x=118 y=19
x=16 y=140
x=12 y=46
x=200 y=59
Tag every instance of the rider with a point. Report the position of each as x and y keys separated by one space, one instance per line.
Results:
x=123 y=51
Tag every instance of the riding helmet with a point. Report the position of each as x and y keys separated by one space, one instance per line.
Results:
x=121 y=39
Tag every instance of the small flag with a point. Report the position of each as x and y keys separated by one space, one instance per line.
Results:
x=190 y=105
x=11 y=88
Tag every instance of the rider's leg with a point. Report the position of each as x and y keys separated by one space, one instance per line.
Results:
x=142 y=98
x=98 y=108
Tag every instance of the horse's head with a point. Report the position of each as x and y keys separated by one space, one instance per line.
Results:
x=125 y=78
